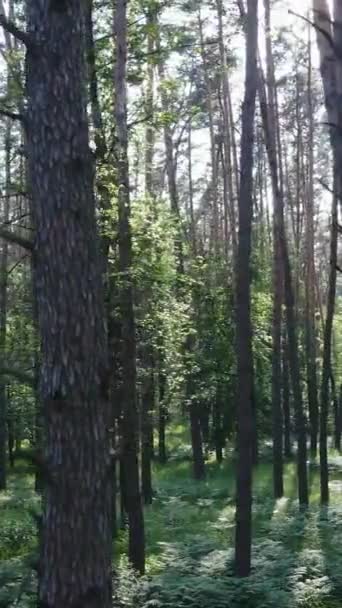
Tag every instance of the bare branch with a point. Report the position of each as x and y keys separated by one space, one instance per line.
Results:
x=17 y=374
x=12 y=237
x=11 y=28
x=12 y=115
x=321 y=30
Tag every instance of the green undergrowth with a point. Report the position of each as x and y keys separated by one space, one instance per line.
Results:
x=297 y=557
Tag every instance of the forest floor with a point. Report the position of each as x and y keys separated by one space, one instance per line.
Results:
x=297 y=557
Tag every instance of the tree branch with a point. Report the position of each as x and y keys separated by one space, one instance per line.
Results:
x=320 y=29
x=11 y=237
x=11 y=28
x=17 y=374
x=12 y=115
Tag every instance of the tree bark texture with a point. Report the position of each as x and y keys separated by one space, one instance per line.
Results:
x=75 y=559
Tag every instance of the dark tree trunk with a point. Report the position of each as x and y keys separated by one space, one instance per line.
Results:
x=218 y=430
x=268 y=117
x=75 y=557
x=243 y=533
x=339 y=431
x=3 y=307
x=337 y=414
x=162 y=415
x=146 y=433
x=196 y=441
x=286 y=404
x=136 y=549
x=326 y=365
x=277 y=422
x=310 y=329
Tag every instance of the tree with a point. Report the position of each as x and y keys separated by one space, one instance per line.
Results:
x=243 y=319
x=75 y=554
x=128 y=339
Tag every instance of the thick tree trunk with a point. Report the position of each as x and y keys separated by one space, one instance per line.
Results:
x=243 y=534
x=136 y=549
x=75 y=558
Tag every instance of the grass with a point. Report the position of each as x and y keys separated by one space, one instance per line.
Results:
x=297 y=557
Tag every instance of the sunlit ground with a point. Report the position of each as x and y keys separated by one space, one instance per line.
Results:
x=297 y=557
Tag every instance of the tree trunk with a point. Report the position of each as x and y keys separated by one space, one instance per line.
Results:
x=75 y=556
x=243 y=533
x=337 y=414
x=310 y=323
x=3 y=306
x=196 y=441
x=326 y=365
x=268 y=118
x=286 y=403
x=227 y=130
x=146 y=433
x=136 y=548
x=277 y=422
x=162 y=417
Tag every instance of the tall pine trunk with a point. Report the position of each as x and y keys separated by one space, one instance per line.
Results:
x=75 y=557
x=3 y=306
x=326 y=365
x=130 y=425
x=277 y=422
x=243 y=533
x=310 y=323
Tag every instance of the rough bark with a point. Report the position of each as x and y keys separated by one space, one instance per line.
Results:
x=243 y=533
x=136 y=549
x=75 y=554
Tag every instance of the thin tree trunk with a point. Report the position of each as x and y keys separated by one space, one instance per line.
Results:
x=278 y=484
x=3 y=306
x=286 y=402
x=243 y=533
x=146 y=432
x=337 y=413
x=270 y=136
x=162 y=416
x=326 y=365
x=136 y=549
x=227 y=130
x=310 y=323
x=197 y=444
x=214 y=167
